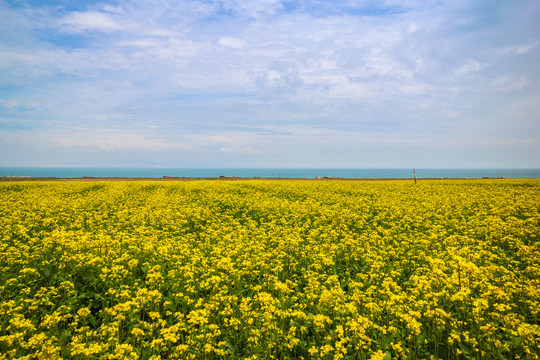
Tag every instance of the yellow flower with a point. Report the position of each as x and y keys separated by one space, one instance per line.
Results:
x=378 y=355
x=83 y=312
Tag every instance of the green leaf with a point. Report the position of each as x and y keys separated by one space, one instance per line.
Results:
x=229 y=347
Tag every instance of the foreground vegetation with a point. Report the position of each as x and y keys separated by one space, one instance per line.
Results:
x=270 y=269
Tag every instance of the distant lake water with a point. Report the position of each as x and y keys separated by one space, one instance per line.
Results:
x=78 y=172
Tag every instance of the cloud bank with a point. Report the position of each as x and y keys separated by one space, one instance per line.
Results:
x=270 y=83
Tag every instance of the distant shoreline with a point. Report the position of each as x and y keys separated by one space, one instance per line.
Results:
x=263 y=173
x=233 y=178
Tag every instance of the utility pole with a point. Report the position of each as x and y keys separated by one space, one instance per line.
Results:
x=414 y=174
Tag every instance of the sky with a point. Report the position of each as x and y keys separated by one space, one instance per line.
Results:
x=270 y=83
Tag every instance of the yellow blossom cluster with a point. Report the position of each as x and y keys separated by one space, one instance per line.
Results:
x=262 y=269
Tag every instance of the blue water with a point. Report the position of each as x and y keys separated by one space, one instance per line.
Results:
x=77 y=172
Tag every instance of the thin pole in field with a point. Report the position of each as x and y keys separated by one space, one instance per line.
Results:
x=414 y=174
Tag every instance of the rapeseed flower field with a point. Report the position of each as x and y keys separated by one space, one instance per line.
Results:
x=270 y=270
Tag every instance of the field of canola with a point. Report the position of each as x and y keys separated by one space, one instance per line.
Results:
x=270 y=269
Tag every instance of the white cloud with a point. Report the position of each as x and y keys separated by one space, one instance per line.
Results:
x=412 y=28
x=231 y=42
x=12 y=104
x=509 y=84
x=111 y=140
x=145 y=43
x=470 y=67
x=522 y=49
x=238 y=150
x=113 y=9
x=90 y=21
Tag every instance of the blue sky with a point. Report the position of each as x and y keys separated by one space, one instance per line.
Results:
x=270 y=83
